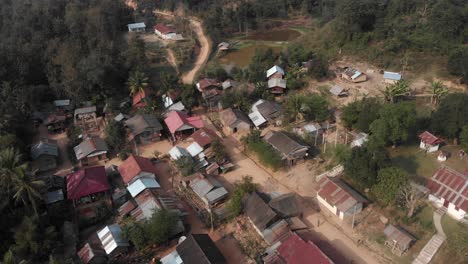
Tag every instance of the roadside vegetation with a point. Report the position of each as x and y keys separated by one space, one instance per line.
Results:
x=268 y=156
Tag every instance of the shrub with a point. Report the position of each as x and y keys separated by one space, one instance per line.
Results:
x=245 y=186
x=265 y=153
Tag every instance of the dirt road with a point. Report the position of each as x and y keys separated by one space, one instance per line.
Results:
x=205 y=47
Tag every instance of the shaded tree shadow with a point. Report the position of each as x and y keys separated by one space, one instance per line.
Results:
x=408 y=163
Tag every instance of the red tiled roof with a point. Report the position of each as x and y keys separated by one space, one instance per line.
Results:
x=164 y=29
x=294 y=250
x=177 y=119
x=451 y=185
x=205 y=83
x=338 y=194
x=87 y=181
x=204 y=136
x=428 y=138
x=138 y=98
x=133 y=166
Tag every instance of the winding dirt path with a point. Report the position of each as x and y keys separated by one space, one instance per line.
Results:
x=205 y=47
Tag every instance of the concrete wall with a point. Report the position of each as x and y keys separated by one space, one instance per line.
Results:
x=429 y=148
x=455 y=214
x=331 y=208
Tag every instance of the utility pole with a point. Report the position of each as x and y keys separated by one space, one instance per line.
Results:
x=354 y=214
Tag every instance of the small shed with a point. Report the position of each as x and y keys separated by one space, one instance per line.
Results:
x=353 y=75
x=277 y=85
x=391 y=77
x=223 y=46
x=429 y=142
x=144 y=128
x=177 y=152
x=136 y=27
x=338 y=91
x=398 y=239
x=275 y=72
x=44 y=155
x=112 y=241
x=92 y=254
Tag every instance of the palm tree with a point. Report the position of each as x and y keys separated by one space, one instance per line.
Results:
x=137 y=82
x=438 y=90
x=10 y=166
x=396 y=90
x=27 y=190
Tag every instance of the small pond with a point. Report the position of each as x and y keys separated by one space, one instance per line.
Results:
x=242 y=57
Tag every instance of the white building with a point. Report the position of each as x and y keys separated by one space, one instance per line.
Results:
x=166 y=32
x=429 y=142
x=449 y=189
x=111 y=239
x=336 y=196
x=136 y=27
x=391 y=77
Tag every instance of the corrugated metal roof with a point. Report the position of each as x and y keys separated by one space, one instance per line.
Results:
x=194 y=149
x=450 y=185
x=65 y=102
x=392 y=76
x=44 y=147
x=336 y=90
x=274 y=70
x=402 y=238
x=277 y=82
x=111 y=238
x=142 y=184
x=85 y=110
x=257 y=118
x=201 y=186
x=177 y=152
x=339 y=194
x=216 y=195
x=54 y=196
x=136 y=25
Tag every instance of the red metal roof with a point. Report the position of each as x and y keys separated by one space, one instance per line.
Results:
x=177 y=119
x=87 y=181
x=138 y=98
x=430 y=139
x=294 y=250
x=338 y=194
x=204 y=136
x=451 y=185
x=164 y=29
x=205 y=83
x=133 y=166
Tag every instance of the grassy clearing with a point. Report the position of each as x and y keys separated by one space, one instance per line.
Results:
x=417 y=163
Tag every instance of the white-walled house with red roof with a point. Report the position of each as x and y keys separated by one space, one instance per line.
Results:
x=429 y=142
x=449 y=189
x=166 y=32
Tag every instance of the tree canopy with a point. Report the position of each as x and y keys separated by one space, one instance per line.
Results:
x=389 y=182
x=451 y=115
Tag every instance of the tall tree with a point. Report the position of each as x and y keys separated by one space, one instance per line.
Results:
x=438 y=90
x=451 y=115
x=389 y=183
x=394 y=125
x=137 y=82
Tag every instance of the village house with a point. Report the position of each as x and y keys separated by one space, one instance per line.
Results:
x=265 y=221
x=55 y=122
x=85 y=116
x=63 y=106
x=391 y=77
x=264 y=112
x=136 y=167
x=166 y=32
x=290 y=150
x=54 y=189
x=44 y=155
x=223 y=46
x=112 y=240
x=181 y=125
x=234 y=120
x=140 y=99
x=208 y=189
x=313 y=129
x=144 y=128
x=177 y=152
x=336 y=196
x=171 y=97
x=142 y=184
x=398 y=240
x=294 y=250
x=195 y=249
x=275 y=72
x=285 y=205
x=277 y=86
x=136 y=27
x=211 y=91
x=92 y=254
x=429 y=142
x=204 y=137
x=353 y=75
x=338 y=91
x=449 y=189
x=87 y=185
x=91 y=151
